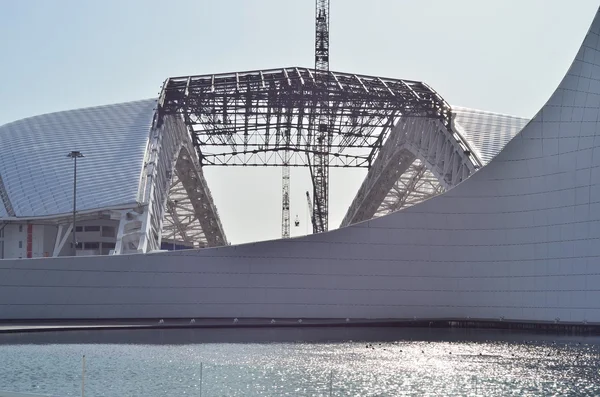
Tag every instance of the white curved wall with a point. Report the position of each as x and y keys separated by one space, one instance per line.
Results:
x=519 y=240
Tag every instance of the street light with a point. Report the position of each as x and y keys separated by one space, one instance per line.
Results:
x=75 y=154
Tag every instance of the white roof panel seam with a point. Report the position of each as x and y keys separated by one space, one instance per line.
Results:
x=39 y=177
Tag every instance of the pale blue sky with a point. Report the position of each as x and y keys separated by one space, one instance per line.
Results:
x=505 y=56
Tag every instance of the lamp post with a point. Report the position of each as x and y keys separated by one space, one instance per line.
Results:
x=75 y=154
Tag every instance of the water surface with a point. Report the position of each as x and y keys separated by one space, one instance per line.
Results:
x=301 y=362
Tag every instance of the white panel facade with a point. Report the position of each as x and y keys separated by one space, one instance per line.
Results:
x=38 y=177
x=518 y=240
x=486 y=132
x=15 y=241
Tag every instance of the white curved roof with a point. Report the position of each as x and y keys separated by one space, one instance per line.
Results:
x=486 y=132
x=38 y=177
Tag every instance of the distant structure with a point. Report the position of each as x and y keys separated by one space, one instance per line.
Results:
x=141 y=187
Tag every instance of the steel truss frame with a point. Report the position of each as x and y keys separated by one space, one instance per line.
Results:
x=416 y=184
x=266 y=117
x=420 y=159
x=181 y=221
x=171 y=173
x=191 y=206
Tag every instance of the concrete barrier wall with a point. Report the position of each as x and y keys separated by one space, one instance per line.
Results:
x=520 y=240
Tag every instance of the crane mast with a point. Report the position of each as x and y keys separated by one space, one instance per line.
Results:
x=321 y=138
x=310 y=206
x=322 y=36
x=285 y=196
x=285 y=202
x=322 y=135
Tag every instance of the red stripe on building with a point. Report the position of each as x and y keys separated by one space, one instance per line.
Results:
x=29 y=241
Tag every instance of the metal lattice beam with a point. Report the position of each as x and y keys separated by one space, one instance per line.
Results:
x=296 y=117
x=446 y=155
x=238 y=119
x=185 y=207
x=415 y=185
x=180 y=222
x=200 y=208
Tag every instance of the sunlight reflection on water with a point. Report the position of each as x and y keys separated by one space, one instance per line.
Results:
x=481 y=364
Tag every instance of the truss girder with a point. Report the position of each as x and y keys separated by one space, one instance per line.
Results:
x=297 y=117
x=416 y=150
x=415 y=185
x=379 y=185
x=200 y=208
x=140 y=228
x=171 y=173
x=237 y=119
x=181 y=223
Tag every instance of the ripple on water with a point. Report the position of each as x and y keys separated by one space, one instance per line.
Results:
x=385 y=367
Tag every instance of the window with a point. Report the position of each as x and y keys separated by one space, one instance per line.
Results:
x=108 y=231
x=79 y=245
x=92 y=228
x=106 y=248
x=20 y=228
x=20 y=244
x=79 y=228
x=92 y=246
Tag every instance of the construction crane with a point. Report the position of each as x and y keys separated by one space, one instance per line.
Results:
x=285 y=197
x=310 y=208
x=319 y=167
x=285 y=182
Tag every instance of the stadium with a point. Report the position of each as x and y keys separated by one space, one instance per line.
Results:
x=463 y=214
x=141 y=188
